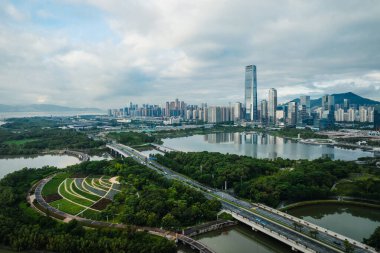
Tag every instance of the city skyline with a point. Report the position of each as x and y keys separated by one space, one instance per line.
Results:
x=101 y=53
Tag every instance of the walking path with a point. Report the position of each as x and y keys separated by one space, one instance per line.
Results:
x=37 y=196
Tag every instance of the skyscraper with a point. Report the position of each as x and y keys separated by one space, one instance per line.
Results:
x=237 y=111
x=346 y=104
x=305 y=101
x=331 y=103
x=250 y=93
x=292 y=114
x=264 y=111
x=376 y=118
x=272 y=106
x=325 y=100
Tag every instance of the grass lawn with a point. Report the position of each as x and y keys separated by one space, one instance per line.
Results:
x=345 y=188
x=65 y=191
x=51 y=187
x=96 y=183
x=67 y=206
x=105 y=182
x=84 y=194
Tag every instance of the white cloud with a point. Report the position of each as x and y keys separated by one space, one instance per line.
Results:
x=195 y=50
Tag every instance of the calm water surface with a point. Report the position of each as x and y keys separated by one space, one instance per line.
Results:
x=240 y=239
x=352 y=221
x=261 y=146
x=10 y=164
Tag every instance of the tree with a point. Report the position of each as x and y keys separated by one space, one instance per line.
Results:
x=374 y=239
x=348 y=248
x=169 y=222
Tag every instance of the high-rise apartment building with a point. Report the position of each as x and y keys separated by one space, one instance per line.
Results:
x=339 y=115
x=351 y=115
x=363 y=114
x=237 y=111
x=272 y=106
x=250 y=93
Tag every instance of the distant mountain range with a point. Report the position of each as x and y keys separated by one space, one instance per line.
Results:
x=44 y=108
x=354 y=99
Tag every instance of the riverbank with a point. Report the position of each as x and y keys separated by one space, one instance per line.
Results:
x=355 y=220
x=328 y=201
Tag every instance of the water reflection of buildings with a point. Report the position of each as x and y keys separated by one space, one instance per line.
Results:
x=223 y=138
x=327 y=152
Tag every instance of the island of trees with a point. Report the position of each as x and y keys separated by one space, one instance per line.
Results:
x=37 y=135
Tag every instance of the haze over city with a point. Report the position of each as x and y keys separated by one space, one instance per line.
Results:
x=107 y=53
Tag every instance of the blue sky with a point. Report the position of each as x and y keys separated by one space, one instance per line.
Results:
x=105 y=53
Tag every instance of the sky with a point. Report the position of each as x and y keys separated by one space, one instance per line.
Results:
x=105 y=53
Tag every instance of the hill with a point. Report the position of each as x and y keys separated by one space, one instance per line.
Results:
x=44 y=108
x=339 y=97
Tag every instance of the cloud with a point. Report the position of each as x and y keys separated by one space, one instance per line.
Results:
x=107 y=52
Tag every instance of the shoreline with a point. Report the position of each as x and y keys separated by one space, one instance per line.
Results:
x=328 y=202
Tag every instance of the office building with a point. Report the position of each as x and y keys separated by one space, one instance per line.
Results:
x=305 y=102
x=376 y=118
x=250 y=93
x=292 y=114
x=325 y=100
x=264 y=111
x=328 y=103
x=346 y=104
x=272 y=106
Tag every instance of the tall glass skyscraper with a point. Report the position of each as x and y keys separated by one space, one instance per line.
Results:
x=272 y=105
x=250 y=93
x=305 y=101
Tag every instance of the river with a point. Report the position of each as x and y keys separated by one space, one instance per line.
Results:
x=352 y=221
x=261 y=146
x=356 y=222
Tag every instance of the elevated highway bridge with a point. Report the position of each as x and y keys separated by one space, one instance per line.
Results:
x=300 y=235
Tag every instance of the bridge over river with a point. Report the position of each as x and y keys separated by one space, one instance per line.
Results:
x=298 y=234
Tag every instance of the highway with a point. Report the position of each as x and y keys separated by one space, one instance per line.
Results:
x=271 y=219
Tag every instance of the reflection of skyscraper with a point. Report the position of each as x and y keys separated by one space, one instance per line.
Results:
x=250 y=93
x=272 y=106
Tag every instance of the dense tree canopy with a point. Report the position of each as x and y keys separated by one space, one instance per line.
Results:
x=22 y=228
x=262 y=180
x=38 y=139
x=150 y=199
x=374 y=239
